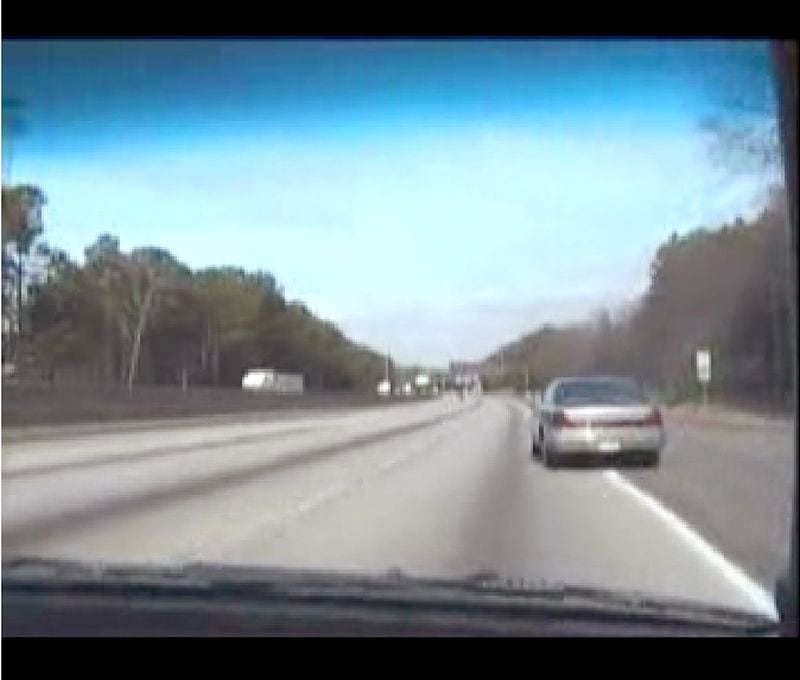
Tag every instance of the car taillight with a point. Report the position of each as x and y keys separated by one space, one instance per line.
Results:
x=560 y=420
x=654 y=419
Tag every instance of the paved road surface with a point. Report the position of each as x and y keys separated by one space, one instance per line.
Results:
x=443 y=488
x=733 y=479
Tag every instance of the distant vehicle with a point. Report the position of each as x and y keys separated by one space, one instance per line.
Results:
x=422 y=381
x=270 y=380
x=606 y=416
x=384 y=388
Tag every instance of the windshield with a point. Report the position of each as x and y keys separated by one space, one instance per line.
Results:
x=587 y=392
x=287 y=303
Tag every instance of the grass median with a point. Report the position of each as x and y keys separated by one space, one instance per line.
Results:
x=32 y=405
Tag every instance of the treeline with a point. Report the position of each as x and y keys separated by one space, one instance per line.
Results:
x=144 y=317
x=726 y=289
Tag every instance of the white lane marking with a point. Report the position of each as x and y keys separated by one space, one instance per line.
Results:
x=760 y=597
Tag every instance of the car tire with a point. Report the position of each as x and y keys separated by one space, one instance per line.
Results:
x=652 y=458
x=548 y=458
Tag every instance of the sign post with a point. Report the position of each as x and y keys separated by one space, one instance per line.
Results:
x=703 y=365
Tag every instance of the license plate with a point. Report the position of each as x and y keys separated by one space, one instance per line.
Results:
x=609 y=447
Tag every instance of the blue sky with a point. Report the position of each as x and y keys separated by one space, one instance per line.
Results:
x=432 y=198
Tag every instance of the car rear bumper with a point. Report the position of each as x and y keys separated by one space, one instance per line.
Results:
x=606 y=441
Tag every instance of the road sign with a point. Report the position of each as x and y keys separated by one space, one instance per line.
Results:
x=703 y=362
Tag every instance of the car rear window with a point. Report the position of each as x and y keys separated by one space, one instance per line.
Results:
x=599 y=392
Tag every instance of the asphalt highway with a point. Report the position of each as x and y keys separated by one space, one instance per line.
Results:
x=440 y=488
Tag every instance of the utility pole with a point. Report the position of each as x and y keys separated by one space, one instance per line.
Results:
x=387 y=369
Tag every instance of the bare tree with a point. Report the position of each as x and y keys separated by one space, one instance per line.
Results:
x=743 y=130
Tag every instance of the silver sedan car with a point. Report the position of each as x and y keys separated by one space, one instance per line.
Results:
x=603 y=416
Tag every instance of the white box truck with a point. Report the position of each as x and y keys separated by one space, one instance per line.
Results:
x=270 y=380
